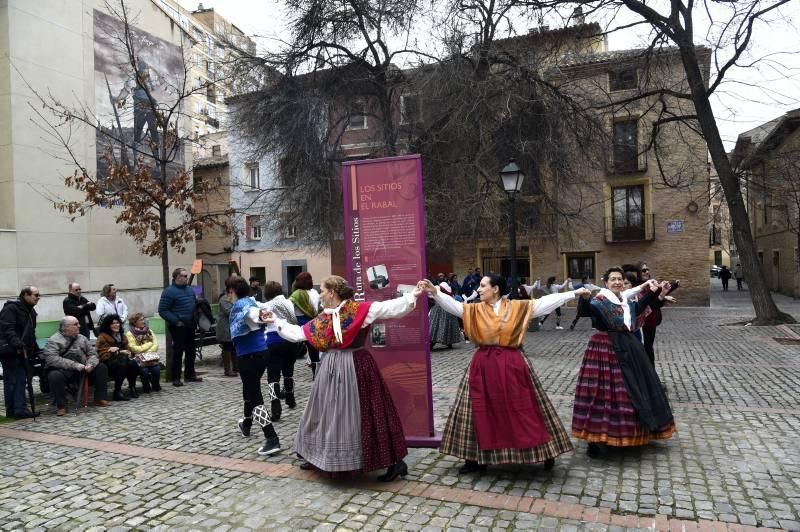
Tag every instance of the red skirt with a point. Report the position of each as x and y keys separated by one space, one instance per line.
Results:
x=501 y=391
x=603 y=412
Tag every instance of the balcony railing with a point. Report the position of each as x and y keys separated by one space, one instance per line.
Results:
x=643 y=232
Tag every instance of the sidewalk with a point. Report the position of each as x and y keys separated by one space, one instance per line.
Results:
x=175 y=460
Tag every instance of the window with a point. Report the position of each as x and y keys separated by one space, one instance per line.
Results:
x=252 y=175
x=290 y=231
x=628 y=213
x=621 y=80
x=198 y=234
x=216 y=150
x=776 y=258
x=211 y=93
x=198 y=60
x=252 y=227
x=197 y=83
x=579 y=266
x=410 y=112
x=358 y=115
x=197 y=185
x=626 y=150
x=761 y=257
x=718 y=258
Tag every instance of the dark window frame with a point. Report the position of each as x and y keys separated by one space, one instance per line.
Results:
x=630 y=230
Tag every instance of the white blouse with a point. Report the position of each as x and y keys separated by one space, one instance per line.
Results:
x=543 y=305
x=378 y=310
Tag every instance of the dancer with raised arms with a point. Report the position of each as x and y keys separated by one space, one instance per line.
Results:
x=619 y=400
x=350 y=423
x=500 y=383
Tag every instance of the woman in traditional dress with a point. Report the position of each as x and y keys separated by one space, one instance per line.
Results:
x=618 y=399
x=444 y=326
x=500 y=384
x=306 y=307
x=350 y=423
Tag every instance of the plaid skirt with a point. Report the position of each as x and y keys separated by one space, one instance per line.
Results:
x=603 y=412
x=459 y=434
x=444 y=327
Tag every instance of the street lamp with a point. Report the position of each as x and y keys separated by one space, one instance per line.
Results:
x=512 y=176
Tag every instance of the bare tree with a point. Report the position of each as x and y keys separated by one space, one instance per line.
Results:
x=732 y=33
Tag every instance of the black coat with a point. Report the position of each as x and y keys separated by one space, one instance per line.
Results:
x=84 y=315
x=18 y=326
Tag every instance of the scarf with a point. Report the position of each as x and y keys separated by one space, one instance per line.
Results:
x=337 y=328
x=627 y=313
x=142 y=335
x=301 y=301
x=238 y=316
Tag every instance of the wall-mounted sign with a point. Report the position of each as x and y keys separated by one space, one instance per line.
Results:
x=674 y=226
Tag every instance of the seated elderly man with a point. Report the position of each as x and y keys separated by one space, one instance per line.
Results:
x=68 y=354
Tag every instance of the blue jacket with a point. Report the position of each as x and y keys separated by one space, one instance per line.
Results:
x=177 y=304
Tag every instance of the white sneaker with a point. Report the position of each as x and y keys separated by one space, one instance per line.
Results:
x=559 y=328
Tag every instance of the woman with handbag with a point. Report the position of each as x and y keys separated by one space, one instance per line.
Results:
x=144 y=346
x=114 y=351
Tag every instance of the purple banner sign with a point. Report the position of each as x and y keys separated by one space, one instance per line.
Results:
x=385 y=236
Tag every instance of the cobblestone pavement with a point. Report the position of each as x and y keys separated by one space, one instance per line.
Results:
x=175 y=460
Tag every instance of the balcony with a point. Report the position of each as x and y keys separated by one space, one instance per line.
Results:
x=643 y=232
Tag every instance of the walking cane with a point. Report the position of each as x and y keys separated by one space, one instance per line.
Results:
x=79 y=396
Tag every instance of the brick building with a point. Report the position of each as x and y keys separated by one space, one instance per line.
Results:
x=769 y=158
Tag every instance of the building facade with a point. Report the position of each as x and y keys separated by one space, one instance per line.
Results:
x=41 y=246
x=768 y=158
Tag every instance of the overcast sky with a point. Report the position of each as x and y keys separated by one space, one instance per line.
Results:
x=751 y=97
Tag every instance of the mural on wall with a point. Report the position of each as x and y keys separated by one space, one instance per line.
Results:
x=128 y=134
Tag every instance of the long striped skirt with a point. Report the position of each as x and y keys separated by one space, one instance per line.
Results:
x=444 y=327
x=350 y=423
x=603 y=412
x=459 y=438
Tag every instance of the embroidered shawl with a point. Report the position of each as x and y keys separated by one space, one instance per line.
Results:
x=321 y=332
x=506 y=328
x=238 y=316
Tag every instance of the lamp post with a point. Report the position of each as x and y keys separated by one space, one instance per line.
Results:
x=511 y=177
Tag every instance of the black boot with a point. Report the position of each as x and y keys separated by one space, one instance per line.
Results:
x=276 y=403
x=398 y=469
x=145 y=384
x=118 y=395
x=288 y=385
x=132 y=391
x=471 y=466
x=156 y=384
x=549 y=464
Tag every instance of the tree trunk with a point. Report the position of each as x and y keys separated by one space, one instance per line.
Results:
x=165 y=281
x=767 y=312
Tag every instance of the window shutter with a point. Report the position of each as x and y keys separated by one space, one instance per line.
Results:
x=248 y=227
x=642 y=134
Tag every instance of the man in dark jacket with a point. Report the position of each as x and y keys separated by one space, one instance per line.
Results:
x=17 y=342
x=177 y=308
x=80 y=307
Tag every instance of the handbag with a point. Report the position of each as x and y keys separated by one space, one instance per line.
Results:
x=147 y=359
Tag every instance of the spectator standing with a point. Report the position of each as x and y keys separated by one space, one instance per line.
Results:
x=177 y=308
x=111 y=303
x=452 y=282
x=18 y=340
x=255 y=289
x=737 y=273
x=69 y=355
x=78 y=306
x=552 y=287
x=229 y=361
x=725 y=275
x=114 y=351
x=144 y=346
